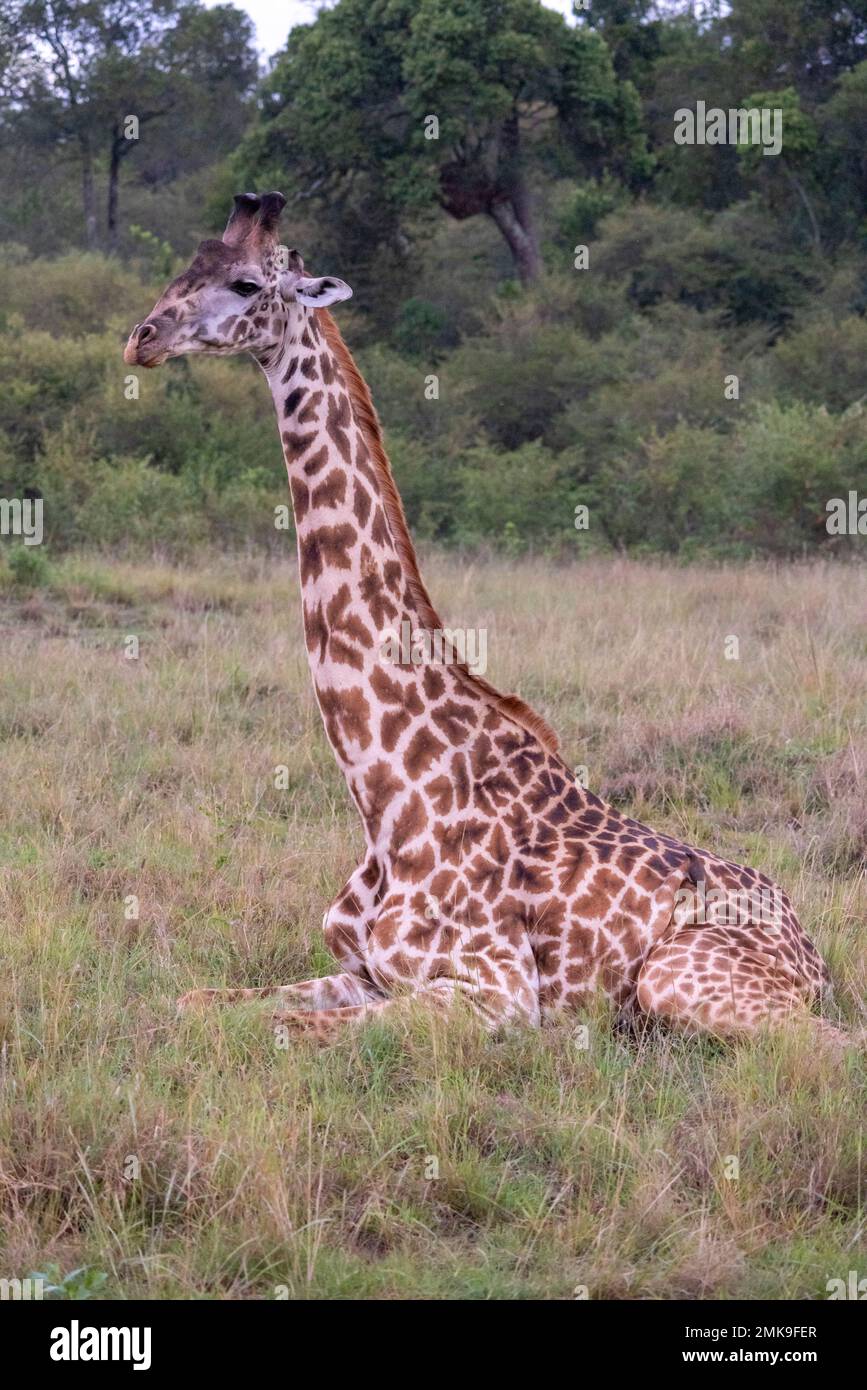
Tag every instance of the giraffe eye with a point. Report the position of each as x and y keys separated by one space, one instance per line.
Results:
x=245 y=288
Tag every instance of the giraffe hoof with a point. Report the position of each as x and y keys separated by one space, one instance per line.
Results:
x=289 y=1021
x=195 y=999
x=297 y=1024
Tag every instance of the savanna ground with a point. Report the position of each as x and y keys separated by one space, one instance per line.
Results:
x=193 y=1158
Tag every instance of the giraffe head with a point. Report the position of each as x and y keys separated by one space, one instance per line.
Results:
x=239 y=294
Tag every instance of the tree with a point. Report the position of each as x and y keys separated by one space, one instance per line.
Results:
x=12 y=58
x=806 y=44
x=633 y=31
x=443 y=102
x=794 y=162
x=99 y=70
x=843 y=141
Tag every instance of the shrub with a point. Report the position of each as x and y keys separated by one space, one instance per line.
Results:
x=520 y=498
x=421 y=329
x=674 y=491
x=605 y=390
x=29 y=566
x=823 y=363
x=133 y=502
x=73 y=295
x=787 y=462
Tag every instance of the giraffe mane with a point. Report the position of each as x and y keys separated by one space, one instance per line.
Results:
x=512 y=706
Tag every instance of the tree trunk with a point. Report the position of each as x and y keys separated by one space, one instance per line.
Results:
x=113 y=183
x=520 y=238
x=802 y=194
x=88 y=196
x=469 y=186
x=510 y=208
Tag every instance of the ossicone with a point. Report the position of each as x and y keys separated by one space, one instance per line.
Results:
x=270 y=207
x=253 y=211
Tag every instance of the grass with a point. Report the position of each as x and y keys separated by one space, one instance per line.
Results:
x=146 y=851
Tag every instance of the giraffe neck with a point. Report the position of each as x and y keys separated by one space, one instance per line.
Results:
x=358 y=584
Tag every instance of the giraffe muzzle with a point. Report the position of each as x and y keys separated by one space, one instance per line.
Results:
x=141 y=349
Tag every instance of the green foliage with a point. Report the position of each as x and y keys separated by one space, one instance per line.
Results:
x=68 y=80
x=842 y=123
x=513 y=386
x=823 y=362
x=733 y=263
x=589 y=203
x=391 y=109
x=788 y=462
x=520 y=499
x=420 y=329
x=69 y=296
x=603 y=389
x=28 y=567
x=677 y=494
x=78 y=1284
x=158 y=254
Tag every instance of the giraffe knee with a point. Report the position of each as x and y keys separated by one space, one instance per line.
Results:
x=664 y=992
x=656 y=992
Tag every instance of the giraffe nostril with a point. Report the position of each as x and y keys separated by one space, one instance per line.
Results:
x=145 y=332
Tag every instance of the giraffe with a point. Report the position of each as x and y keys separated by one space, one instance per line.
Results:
x=489 y=874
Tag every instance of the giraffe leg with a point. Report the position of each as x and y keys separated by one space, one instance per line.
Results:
x=346 y=926
x=441 y=993
x=713 y=979
x=323 y=1025
x=325 y=992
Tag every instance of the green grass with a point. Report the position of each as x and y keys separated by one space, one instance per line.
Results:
x=195 y=1159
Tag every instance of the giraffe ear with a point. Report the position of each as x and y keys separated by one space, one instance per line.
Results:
x=320 y=291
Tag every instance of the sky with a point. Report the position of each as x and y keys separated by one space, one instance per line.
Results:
x=274 y=18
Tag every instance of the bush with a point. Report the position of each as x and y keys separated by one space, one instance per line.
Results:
x=421 y=329
x=675 y=491
x=520 y=498
x=603 y=388
x=133 y=502
x=787 y=462
x=733 y=263
x=586 y=208
x=73 y=295
x=29 y=567
x=516 y=381
x=823 y=363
